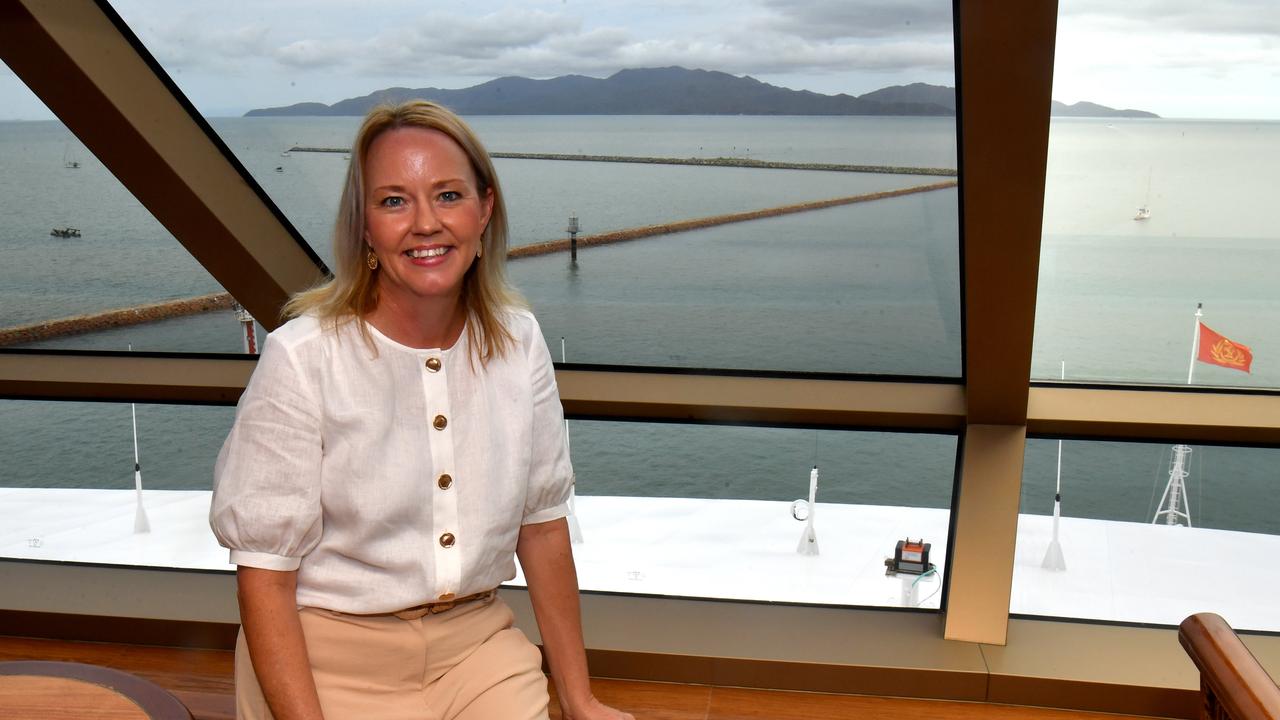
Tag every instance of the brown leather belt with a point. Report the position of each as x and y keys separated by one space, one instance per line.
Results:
x=434 y=608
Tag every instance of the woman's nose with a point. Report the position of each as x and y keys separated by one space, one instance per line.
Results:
x=425 y=221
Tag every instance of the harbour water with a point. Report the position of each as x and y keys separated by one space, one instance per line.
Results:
x=870 y=288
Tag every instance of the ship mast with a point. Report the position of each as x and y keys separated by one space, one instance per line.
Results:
x=1173 y=504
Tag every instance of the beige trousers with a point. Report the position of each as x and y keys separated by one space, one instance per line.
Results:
x=467 y=663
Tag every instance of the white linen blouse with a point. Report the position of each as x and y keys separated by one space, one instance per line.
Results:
x=392 y=478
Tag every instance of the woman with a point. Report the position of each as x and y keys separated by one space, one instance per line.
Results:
x=400 y=439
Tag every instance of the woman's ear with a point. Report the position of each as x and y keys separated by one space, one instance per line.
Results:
x=486 y=207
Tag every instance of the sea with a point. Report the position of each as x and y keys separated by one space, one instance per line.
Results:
x=865 y=289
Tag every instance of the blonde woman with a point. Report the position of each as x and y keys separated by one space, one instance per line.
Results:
x=399 y=443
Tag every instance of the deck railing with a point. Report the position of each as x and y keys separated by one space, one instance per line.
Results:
x=1233 y=685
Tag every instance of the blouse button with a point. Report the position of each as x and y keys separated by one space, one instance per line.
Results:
x=440 y=422
x=446 y=540
x=445 y=481
x=433 y=364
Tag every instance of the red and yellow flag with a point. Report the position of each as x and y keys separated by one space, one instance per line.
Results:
x=1217 y=350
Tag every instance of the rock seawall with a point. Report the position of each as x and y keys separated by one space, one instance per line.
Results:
x=553 y=246
x=695 y=161
x=121 y=317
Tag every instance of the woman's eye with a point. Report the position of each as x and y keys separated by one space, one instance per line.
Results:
x=450 y=196
x=392 y=201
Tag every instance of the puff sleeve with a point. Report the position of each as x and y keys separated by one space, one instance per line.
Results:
x=550 y=471
x=266 y=495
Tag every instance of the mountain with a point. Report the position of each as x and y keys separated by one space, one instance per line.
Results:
x=1088 y=109
x=649 y=91
x=665 y=91
x=940 y=95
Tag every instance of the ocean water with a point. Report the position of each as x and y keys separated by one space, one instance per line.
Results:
x=867 y=288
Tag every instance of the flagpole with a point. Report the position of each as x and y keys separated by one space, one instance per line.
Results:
x=140 y=522
x=1195 y=343
x=1053 y=559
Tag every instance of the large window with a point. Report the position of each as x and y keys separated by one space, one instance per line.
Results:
x=789 y=217
x=69 y=491
x=867 y=287
x=1148 y=533
x=83 y=265
x=714 y=511
x=1159 y=202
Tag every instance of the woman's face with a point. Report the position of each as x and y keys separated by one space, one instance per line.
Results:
x=424 y=214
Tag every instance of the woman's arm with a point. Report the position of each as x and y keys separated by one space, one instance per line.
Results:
x=547 y=561
x=269 y=615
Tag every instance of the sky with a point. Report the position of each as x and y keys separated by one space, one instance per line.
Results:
x=1176 y=58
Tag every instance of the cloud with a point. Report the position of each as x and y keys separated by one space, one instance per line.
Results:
x=1238 y=17
x=833 y=19
x=314 y=54
x=184 y=42
x=761 y=40
x=446 y=37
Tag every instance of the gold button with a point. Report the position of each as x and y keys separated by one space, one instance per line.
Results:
x=446 y=540
x=433 y=364
x=445 y=481
x=446 y=597
x=440 y=422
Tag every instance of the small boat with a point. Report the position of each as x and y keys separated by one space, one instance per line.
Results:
x=65 y=232
x=1144 y=211
x=69 y=160
x=284 y=154
x=279 y=168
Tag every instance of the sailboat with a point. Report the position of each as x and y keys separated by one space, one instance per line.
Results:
x=69 y=160
x=1144 y=212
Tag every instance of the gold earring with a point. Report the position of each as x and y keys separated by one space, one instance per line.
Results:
x=480 y=251
x=371 y=260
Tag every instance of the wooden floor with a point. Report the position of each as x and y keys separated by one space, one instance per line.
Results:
x=202 y=679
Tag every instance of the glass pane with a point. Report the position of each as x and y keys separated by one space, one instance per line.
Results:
x=68 y=491
x=1148 y=533
x=83 y=265
x=1148 y=217
x=710 y=511
x=664 y=509
x=871 y=287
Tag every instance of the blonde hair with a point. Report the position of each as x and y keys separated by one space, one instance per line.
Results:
x=351 y=293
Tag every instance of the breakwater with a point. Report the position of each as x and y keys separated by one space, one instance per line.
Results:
x=552 y=246
x=35 y=332
x=698 y=162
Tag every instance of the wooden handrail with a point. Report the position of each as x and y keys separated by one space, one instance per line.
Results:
x=1233 y=685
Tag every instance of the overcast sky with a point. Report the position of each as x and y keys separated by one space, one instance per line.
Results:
x=1177 y=58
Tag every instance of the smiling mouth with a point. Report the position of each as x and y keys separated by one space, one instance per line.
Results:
x=427 y=252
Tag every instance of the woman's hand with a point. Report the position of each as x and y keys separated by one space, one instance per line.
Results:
x=547 y=561
x=592 y=709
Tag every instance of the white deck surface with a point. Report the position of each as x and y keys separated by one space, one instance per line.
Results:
x=746 y=549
